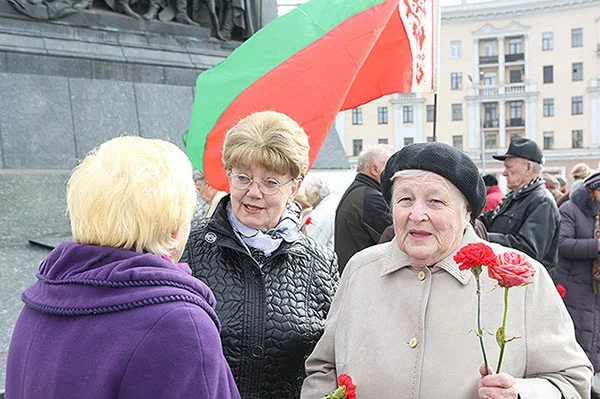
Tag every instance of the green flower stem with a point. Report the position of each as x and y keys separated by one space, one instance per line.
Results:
x=503 y=343
x=479 y=330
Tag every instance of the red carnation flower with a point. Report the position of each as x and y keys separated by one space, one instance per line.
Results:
x=513 y=269
x=474 y=255
x=350 y=389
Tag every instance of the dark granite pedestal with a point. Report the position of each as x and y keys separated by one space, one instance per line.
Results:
x=65 y=87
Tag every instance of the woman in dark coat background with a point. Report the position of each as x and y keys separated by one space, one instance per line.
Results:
x=578 y=251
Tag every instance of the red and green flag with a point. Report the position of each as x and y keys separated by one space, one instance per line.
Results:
x=321 y=58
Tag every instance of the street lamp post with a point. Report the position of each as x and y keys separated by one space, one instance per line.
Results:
x=481 y=131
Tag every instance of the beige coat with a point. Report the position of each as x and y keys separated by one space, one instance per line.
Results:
x=401 y=332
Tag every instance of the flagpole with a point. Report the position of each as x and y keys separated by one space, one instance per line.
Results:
x=434 y=115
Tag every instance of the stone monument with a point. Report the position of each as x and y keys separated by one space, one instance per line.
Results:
x=73 y=74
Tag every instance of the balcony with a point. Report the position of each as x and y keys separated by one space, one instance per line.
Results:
x=490 y=123
x=514 y=57
x=515 y=122
x=491 y=59
x=507 y=90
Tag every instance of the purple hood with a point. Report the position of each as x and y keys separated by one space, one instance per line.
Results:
x=78 y=280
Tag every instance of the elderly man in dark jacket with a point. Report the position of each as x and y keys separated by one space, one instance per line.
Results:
x=526 y=219
x=362 y=214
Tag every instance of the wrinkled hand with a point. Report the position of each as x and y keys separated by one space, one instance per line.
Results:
x=497 y=386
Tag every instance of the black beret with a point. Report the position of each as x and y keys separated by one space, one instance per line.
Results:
x=443 y=160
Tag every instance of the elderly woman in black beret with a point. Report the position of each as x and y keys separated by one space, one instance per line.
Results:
x=401 y=324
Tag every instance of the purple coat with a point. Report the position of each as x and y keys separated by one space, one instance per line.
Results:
x=577 y=249
x=111 y=323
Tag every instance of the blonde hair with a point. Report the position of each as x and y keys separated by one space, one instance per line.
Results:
x=581 y=171
x=270 y=139
x=131 y=193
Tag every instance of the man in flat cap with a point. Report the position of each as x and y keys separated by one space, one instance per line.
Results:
x=526 y=219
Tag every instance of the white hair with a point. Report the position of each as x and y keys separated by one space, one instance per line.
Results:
x=372 y=155
x=314 y=184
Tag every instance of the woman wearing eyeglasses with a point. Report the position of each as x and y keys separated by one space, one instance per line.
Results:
x=273 y=284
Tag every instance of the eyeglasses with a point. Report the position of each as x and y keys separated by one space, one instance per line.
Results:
x=268 y=186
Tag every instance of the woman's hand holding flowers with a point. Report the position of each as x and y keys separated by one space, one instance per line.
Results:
x=496 y=386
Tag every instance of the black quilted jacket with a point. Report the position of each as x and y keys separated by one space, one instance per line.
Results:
x=272 y=315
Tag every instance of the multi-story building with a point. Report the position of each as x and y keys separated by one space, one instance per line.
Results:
x=507 y=68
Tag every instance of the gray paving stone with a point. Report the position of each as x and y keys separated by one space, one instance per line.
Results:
x=33 y=204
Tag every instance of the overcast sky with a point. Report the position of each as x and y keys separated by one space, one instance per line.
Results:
x=287 y=5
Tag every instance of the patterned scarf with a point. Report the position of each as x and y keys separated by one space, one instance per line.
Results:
x=512 y=194
x=263 y=244
x=596 y=264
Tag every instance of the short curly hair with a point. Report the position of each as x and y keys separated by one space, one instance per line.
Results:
x=270 y=139
x=132 y=193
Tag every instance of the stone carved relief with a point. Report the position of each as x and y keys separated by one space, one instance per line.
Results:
x=229 y=19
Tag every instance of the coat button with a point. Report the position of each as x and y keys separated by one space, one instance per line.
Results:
x=257 y=351
x=421 y=275
x=413 y=342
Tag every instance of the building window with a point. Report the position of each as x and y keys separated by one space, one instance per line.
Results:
x=548 y=140
x=490 y=119
x=516 y=114
x=577 y=105
x=577 y=71
x=577 y=138
x=357 y=147
x=547 y=41
x=430 y=111
x=577 y=37
x=516 y=109
x=489 y=48
x=548 y=107
x=408 y=140
x=455 y=49
x=408 y=114
x=491 y=140
x=357 y=116
x=456 y=81
x=514 y=46
x=489 y=79
x=457 y=112
x=382 y=115
x=457 y=142
x=516 y=75
x=382 y=141
x=548 y=74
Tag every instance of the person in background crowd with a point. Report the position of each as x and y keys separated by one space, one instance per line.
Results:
x=578 y=268
x=399 y=321
x=493 y=193
x=305 y=205
x=362 y=213
x=562 y=185
x=527 y=218
x=273 y=284
x=579 y=173
x=553 y=186
x=112 y=315
x=321 y=223
x=209 y=194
